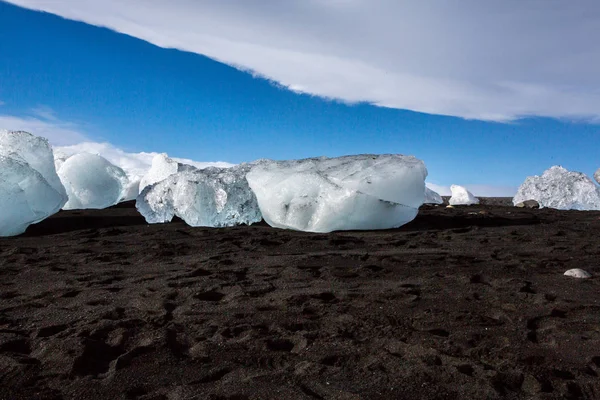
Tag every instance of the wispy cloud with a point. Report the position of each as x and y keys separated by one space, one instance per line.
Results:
x=57 y=132
x=45 y=113
x=470 y=58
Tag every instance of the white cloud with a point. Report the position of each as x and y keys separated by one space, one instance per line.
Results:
x=492 y=60
x=135 y=164
x=56 y=131
x=67 y=138
x=45 y=113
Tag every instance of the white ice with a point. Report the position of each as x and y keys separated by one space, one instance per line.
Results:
x=213 y=197
x=432 y=197
x=162 y=167
x=462 y=197
x=345 y=193
x=135 y=165
x=92 y=181
x=597 y=175
x=30 y=189
x=578 y=273
x=561 y=189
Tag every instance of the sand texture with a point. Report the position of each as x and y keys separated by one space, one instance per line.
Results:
x=463 y=303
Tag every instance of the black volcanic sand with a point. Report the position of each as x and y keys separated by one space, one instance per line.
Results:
x=463 y=303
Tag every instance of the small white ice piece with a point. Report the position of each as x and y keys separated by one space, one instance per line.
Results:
x=578 y=273
x=432 y=197
x=462 y=197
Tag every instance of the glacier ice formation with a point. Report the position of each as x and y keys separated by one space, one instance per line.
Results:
x=346 y=193
x=561 y=189
x=213 y=197
x=162 y=167
x=30 y=189
x=462 y=197
x=91 y=181
x=432 y=197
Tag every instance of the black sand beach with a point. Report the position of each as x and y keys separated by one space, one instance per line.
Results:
x=463 y=303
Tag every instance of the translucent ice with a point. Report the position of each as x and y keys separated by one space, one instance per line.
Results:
x=328 y=194
x=214 y=197
x=92 y=182
x=462 y=197
x=560 y=189
x=162 y=167
x=432 y=197
x=30 y=190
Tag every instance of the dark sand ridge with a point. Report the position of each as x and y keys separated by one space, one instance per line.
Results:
x=463 y=303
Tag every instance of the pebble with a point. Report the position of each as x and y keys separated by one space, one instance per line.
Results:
x=528 y=204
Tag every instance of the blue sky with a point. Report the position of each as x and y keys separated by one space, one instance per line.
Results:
x=111 y=87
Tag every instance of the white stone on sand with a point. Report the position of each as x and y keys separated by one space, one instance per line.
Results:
x=578 y=273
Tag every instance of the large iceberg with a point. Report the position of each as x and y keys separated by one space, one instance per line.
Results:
x=345 y=193
x=92 y=181
x=432 y=197
x=462 y=197
x=213 y=197
x=162 y=167
x=561 y=189
x=30 y=189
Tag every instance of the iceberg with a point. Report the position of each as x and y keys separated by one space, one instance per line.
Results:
x=462 y=197
x=91 y=181
x=432 y=197
x=561 y=189
x=213 y=197
x=135 y=165
x=346 y=193
x=30 y=189
x=162 y=167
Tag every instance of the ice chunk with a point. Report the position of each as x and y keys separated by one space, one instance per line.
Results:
x=560 y=189
x=135 y=165
x=578 y=273
x=432 y=197
x=162 y=167
x=132 y=190
x=528 y=204
x=214 y=197
x=328 y=194
x=30 y=189
x=597 y=175
x=92 y=182
x=462 y=197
